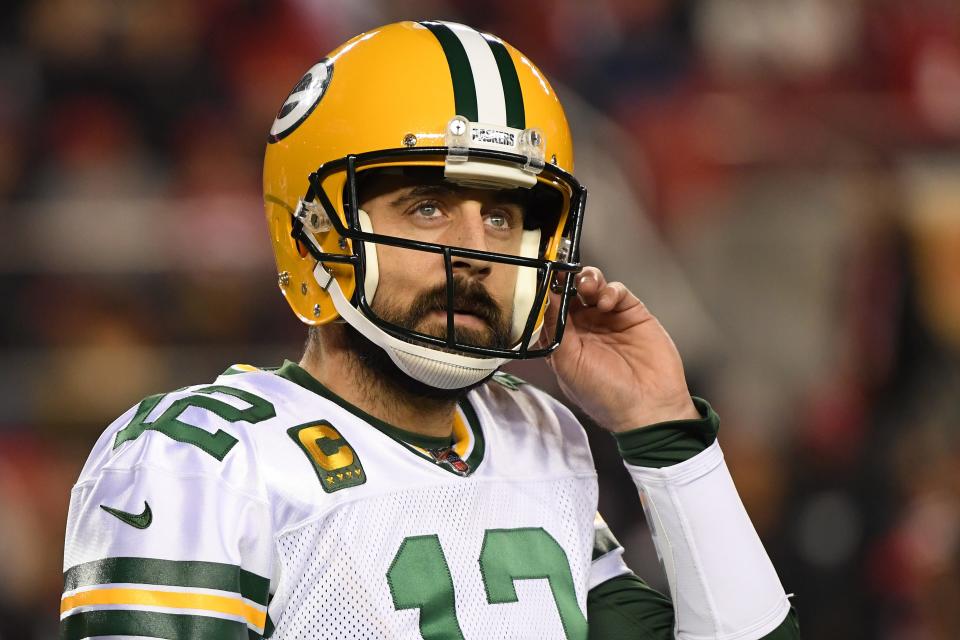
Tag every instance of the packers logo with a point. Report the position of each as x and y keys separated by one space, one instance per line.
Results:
x=334 y=460
x=302 y=100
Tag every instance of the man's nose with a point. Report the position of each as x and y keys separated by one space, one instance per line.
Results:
x=470 y=233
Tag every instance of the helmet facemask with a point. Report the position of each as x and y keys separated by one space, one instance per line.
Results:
x=447 y=356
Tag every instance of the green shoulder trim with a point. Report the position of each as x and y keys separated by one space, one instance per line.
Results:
x=295 y=373
x=508 y=380
x=669 y=443
x=174 y=573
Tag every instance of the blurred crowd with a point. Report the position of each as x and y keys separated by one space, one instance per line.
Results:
x=778 y=179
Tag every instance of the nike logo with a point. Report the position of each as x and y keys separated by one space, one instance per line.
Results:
x=138 y=520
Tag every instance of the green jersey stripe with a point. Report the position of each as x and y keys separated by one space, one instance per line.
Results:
x=152 y=624
x=461 y=75
x=512 y=94
x=175 y=573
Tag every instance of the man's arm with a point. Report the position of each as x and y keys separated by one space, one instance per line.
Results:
x=162 y=540
x=710 y=597
x=618 y=363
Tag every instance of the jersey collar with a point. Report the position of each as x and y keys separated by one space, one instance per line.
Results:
x=467 y=442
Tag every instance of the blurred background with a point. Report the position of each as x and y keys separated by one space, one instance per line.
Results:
x=778 y=179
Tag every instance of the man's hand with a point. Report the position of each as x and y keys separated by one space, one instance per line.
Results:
x=616 y=361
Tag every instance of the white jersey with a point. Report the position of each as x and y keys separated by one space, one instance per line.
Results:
x=262 y=505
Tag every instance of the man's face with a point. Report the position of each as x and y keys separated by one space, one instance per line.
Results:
x=412 y=286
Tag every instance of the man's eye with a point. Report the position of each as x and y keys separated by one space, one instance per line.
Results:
x=500 y=221
x=427 y=209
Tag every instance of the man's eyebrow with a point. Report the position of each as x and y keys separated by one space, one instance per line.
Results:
x=510 y=196
x=421 y=190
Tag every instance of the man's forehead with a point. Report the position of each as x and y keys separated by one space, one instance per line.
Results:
x=422 y=181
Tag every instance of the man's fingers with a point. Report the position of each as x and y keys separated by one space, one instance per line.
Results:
x=594 y=291
x=612 y=296
x=589 y=284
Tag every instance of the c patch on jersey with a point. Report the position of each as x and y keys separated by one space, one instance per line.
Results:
x=334 y=460
x=302 y=100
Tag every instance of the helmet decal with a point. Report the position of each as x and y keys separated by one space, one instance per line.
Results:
x=303 y=99
x=485 y=83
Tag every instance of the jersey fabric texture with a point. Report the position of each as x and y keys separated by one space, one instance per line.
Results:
x=276 y=509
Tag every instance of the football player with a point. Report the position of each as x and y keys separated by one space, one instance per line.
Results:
x=425 y=219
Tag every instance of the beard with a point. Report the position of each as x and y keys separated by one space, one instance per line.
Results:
x=469 y=297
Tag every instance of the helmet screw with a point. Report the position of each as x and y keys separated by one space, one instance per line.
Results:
x=343 y=243
x=457 y=127
x=283 y=278
x=409 y=140
x=535 y=138
x=303 y=288
x=316 y=311
x=553 y=159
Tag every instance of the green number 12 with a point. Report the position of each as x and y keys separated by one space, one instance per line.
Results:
x=419 y=578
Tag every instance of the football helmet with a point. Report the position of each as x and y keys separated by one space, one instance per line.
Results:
x=421 y=95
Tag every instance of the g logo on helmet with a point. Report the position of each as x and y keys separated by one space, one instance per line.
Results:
x=302 y=100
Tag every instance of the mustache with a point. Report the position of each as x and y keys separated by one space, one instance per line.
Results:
x=469 y=296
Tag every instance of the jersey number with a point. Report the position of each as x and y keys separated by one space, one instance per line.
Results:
x=419 y=578
x=168 y=423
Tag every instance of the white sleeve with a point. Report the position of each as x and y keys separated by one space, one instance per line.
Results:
x=159 y=544
x=721 y=580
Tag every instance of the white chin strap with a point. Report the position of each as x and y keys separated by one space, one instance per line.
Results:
x=428 y=365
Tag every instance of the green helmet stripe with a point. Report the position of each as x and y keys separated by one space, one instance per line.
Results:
x=464 y=91
x=512 y=94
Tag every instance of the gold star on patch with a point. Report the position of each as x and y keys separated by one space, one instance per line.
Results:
x=340 y=476
x=329 y=479
x=349 y=473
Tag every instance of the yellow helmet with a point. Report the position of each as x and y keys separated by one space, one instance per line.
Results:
x=419 y=94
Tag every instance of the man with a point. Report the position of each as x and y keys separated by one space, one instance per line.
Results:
x=425 y=223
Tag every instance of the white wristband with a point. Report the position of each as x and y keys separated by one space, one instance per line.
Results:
x=722 y=581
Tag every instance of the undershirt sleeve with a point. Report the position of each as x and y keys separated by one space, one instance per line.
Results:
x=668 y=443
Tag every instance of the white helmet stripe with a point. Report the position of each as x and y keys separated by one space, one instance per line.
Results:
x=491 y=108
